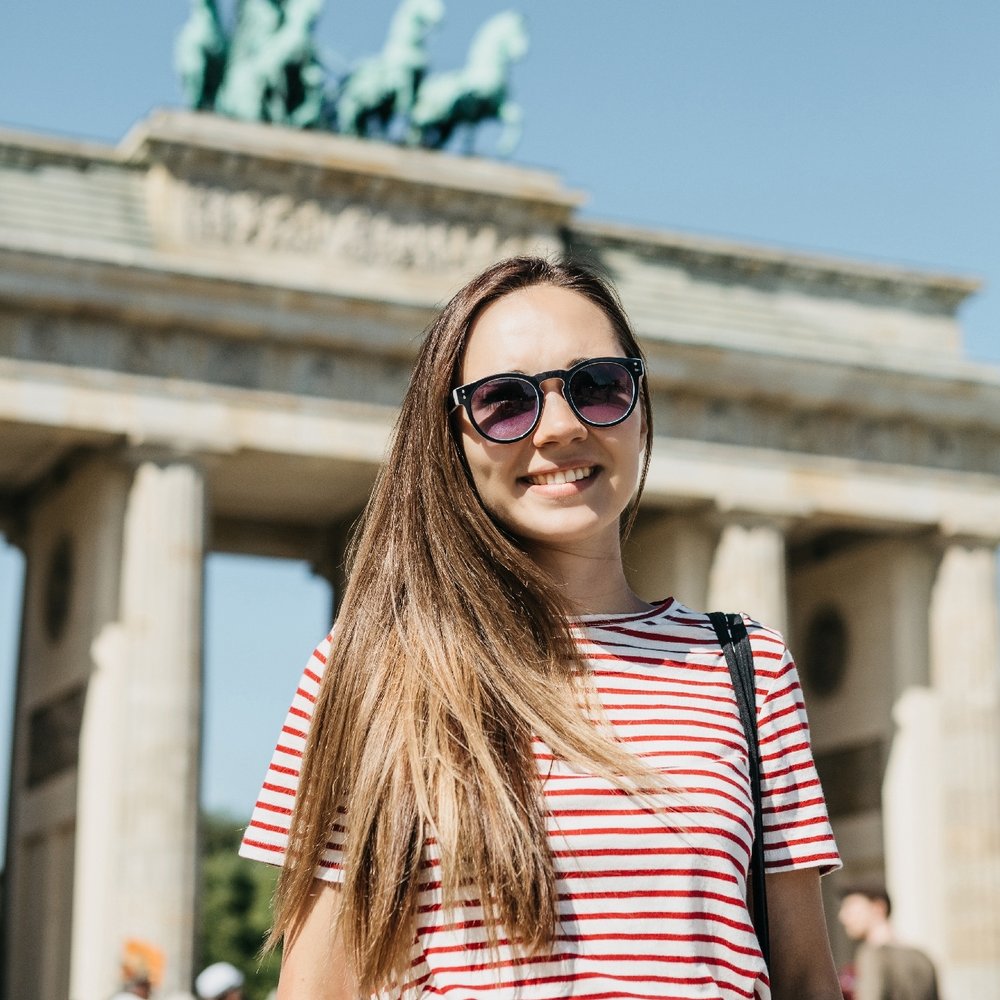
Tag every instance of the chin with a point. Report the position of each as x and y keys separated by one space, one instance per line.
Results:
x=562 y=535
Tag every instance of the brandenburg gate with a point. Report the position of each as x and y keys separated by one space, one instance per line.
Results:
x=204 y=335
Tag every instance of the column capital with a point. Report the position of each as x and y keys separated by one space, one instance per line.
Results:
x=748 y=569
x=134 y=455
x=722 y=515
x=948 y=536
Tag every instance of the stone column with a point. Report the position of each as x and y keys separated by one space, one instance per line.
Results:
x=136 y=869
x=912 y=805
x=965 y=671
x=72 y=540
x=669 y=554
x=748 y=570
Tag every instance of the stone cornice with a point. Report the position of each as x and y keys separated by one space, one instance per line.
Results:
x=114 y=284
x=187 y=140
x=28 y=150
x=206 y=143
x=952 y=391
x=756 y=264
x=902 y=434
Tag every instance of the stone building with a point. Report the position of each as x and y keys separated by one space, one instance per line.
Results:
x=204 y=333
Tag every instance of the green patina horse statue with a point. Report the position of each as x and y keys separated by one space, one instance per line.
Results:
x=476 y=93
x=200 y=54
x=383 y=86
x=267 y=69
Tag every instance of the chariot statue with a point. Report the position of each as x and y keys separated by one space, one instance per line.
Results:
x=267 y=67
x=384 y=86
x=463 y=98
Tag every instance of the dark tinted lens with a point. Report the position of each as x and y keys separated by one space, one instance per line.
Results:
x=504 y=408
x=602 y=392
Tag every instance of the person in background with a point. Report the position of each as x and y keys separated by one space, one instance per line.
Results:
x=883 y=969
x=219 y=981
x=141 y=970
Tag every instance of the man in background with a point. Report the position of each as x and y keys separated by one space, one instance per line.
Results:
x=141 y=970
x=220 y=981
x=883 y=969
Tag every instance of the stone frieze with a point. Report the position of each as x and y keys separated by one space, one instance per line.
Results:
x=335 y=228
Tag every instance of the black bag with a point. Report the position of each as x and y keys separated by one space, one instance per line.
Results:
x=735 y=644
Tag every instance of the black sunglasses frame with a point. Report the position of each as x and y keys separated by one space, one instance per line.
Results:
x=462 y=396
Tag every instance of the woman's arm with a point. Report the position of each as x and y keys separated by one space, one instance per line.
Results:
x=801 y=964
x=313 y=963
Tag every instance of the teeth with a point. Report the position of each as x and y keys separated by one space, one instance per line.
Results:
x=560 y=478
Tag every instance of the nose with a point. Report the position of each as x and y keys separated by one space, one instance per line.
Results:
x=557 y=422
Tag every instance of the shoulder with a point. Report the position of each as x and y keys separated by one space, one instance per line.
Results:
x=908 y=956
x=766 y=642
x=316 y=665
x=691 y=630
x=774 y=667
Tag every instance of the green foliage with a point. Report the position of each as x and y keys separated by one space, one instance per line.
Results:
x=235 y=907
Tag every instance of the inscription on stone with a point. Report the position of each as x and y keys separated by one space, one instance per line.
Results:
x=54 y=737
x=280 y=223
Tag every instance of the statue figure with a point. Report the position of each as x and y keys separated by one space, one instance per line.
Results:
x=242 y=90
x=295 y=61
x=476 y=93
x=383 y=86
x=267 y=68
x=200 y=54
x=273 y=72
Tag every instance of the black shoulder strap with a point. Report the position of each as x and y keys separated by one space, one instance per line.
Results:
x=735 y=642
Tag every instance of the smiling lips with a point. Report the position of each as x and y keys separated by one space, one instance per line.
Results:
x=561 y=477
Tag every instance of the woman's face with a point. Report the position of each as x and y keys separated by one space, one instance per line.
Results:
x=533 y=330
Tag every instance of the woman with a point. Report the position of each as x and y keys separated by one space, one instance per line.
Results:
x=520 y=779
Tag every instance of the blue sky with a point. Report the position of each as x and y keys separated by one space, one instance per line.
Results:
x=857 y=129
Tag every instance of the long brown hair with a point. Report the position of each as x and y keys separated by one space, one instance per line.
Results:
x=451 y=651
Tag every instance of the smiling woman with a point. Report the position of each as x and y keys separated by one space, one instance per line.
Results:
x=505 y=773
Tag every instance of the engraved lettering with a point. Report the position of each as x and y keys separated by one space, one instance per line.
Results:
x=278 y=223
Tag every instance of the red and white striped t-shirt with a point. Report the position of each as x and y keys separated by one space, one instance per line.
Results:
x=652 y=901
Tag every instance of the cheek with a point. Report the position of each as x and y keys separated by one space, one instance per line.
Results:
x=632 y=445
x=484 y=466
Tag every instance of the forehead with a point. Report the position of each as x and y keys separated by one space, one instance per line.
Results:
x=537 y=329
x=856 y=901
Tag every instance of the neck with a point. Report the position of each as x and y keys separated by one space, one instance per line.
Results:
x=880 y=933
x=592 y=582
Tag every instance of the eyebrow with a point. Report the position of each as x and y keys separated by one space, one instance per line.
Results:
x=521 y=371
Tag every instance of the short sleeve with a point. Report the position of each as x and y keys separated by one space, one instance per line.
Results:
x=797 y=832
x=266 y=836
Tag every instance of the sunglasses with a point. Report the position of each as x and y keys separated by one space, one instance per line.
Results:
x=505 y=408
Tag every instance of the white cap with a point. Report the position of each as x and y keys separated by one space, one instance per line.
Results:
x=217 y=979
